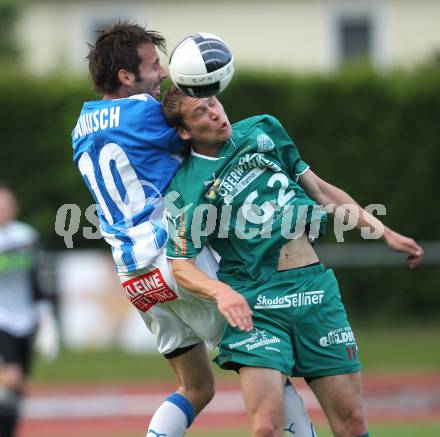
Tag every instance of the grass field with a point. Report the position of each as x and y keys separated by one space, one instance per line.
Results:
x=376 y=430
x=388 y=351
x=400 y=430
x=395 y=350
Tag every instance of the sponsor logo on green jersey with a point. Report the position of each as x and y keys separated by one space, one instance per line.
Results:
x=258 y=338
x=291 y=300
x=338 y=336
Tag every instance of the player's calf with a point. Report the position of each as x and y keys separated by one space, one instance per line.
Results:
x=9 y=405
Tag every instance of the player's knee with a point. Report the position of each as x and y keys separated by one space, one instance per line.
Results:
x=209 y=391
x=266 y=429
x=266 y=426
x=201 y=392
x=353 y=422
x=356 y=422
x=206 y=391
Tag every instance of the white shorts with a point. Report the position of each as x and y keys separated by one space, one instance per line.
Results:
x=175 y=316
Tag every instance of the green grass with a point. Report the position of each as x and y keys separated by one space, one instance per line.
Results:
x=384 y=350
x=431 y=429
x=382 y=430
x=396 y=350
x=400 y=350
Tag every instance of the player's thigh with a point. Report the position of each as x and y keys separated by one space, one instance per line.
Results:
x=263 y=391
x=201 y=315
x=268 y=345
x=168 y=329
x=15 y=356
x=193 y=368
x=324 y=342
x=339 y=395
x=174 y=316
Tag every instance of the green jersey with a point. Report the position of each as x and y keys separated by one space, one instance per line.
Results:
x=245 y=201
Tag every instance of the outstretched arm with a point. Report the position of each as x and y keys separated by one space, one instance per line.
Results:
x=328 y=195
x=231 y=305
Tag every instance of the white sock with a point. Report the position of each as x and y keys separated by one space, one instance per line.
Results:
x=172 y=418
x=297 y=421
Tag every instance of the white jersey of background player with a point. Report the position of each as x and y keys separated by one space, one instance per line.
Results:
x=127 y=155
x=26 y=311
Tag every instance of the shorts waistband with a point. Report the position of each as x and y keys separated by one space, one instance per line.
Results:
x=301 y=271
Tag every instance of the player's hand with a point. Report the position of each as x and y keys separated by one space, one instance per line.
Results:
x=400 y=243
x=47 y=339
x=234 y=308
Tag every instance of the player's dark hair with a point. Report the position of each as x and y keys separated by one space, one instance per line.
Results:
x=171 y=104
x=172 y=109
x=116 y=48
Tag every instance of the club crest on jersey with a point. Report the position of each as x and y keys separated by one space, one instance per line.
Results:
x=265 y=143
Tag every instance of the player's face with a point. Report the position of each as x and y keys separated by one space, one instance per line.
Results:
x=206 y=123
x=8 y=207
x=150 y=74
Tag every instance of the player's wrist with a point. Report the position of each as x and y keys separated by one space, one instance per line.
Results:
x=387 y=232
x=219 y=289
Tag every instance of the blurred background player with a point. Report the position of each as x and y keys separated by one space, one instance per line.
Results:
x=127 y=155
x=24 y=310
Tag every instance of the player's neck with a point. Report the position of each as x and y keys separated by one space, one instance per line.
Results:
x=113 y=96
x=121 y=93
x=207 y=150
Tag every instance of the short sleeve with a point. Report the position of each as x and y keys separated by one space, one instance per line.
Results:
x=300 y=168
x=287 y=148
x=186 y=226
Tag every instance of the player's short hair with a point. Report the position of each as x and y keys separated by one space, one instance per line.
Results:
x=172 y=105
x=116 y=48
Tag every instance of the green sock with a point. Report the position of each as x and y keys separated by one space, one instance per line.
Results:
x=365 y=435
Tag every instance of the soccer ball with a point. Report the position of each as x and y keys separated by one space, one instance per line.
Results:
x=201 y=65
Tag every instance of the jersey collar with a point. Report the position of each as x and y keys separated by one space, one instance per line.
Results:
x=212 y=158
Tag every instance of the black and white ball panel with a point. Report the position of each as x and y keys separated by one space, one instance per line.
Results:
x=214 y=52
x=201 y=65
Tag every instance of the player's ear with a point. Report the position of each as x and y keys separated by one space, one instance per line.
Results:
x=125 y=77
x=183 y=133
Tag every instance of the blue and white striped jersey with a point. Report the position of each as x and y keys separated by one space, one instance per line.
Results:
x=127 y=155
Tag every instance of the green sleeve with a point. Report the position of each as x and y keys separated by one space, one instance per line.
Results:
x=287 y=148
x=185 y=238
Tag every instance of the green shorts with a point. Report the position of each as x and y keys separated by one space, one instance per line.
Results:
x=300 y=327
